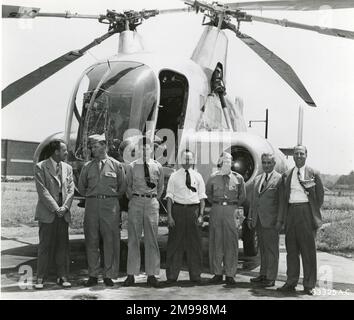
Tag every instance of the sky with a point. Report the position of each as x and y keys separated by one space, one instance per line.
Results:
x=324 y=64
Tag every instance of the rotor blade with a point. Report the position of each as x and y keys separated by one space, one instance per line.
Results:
x=30 y=12
x=18 y=12
x=187 y=9
x=302 y=5
x=29 y=81
x=279 y=66
x=285 y=23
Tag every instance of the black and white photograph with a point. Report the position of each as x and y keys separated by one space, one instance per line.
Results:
x=193 y=153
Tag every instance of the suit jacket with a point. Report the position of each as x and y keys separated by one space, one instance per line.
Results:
x=315 y=195
x=265 y=204
x=48 y=190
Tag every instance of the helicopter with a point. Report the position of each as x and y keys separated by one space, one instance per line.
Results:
x=135 y=92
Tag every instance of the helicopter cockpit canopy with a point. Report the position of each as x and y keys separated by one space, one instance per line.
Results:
x=111 y=98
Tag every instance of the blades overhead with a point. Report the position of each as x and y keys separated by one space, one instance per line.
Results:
x=31 y=12
x=285 y=23
x=279 y=66
x=302 y=5
x=26 y=83
x=164 y=11
x=18 y=12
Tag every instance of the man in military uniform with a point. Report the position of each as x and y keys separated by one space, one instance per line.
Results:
x=102 y=182
x=145 y=182
x=226 y=191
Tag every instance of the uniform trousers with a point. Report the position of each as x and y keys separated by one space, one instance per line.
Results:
x=102 y=220
x=143 y=215
x=223 y=240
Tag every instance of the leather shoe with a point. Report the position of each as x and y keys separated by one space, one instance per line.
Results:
x=171 y=282
x=267 y=283
x=152 y=282
x=62 y=281
x=230 y=281
x=286 y=288
x=217 y=279
x=308 y=291
x=108 y=282
x=39 y=284
x=129 y=281
x=92 y=281
x=198 y=281
x=260 y=278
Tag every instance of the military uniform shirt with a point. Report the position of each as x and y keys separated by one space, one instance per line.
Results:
x=109 y=181
x=229 y=187
x=136 y=178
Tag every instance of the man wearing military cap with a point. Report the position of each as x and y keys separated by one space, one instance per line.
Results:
x=102 y=182
x=145 y=183
x=226 y=191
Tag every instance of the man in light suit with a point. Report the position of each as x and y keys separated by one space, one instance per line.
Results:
x=55 y=188
x=300 y=212
x=263 y=216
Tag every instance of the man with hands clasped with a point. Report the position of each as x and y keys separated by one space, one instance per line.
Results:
x=263 y=215
x=55 y=188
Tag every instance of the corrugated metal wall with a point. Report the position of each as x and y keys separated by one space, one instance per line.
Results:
x=17 y=158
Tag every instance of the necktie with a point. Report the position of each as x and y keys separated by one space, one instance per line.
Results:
x=188 y=182
x=57 y=172
x=299 y=178
x=264 y=184
x=100 y=165
x=147 y=176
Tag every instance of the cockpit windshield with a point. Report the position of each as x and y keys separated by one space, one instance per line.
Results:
x=112 y=98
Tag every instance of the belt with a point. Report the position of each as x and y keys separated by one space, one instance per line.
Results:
x=101 y=196
x=145 y=195
x=186 y=205
x=298 y=204
x=225 y=203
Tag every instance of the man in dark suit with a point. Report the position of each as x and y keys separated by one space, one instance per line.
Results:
x=263 y=216
x=300 y=212
x=55 y=188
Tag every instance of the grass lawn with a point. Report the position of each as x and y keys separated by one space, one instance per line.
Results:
x=18 y=204
x=337 y=235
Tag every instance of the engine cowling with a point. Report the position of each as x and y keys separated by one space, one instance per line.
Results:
x=245 y=148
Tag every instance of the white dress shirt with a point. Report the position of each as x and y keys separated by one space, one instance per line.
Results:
x=263 y=178
x=178 y=192
x=297 y=192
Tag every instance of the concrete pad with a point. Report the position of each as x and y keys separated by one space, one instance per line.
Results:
x=335 y=274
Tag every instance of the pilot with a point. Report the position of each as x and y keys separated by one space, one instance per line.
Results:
x=102 y=182
x=145 y=183
x=226 y=191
